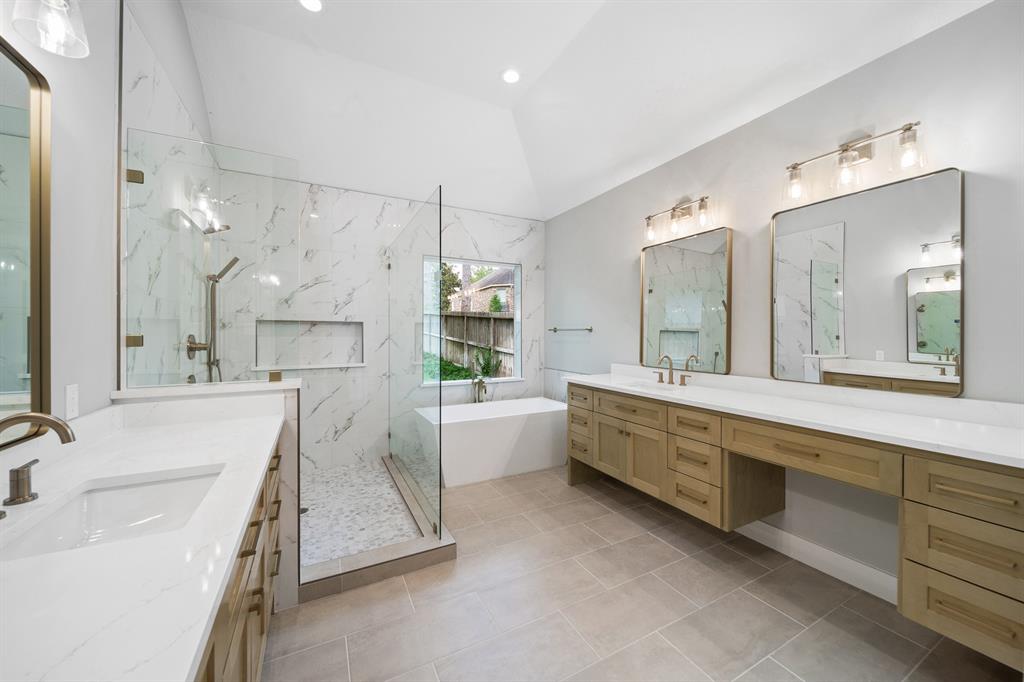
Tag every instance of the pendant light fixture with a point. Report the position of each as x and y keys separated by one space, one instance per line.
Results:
x=54 y=25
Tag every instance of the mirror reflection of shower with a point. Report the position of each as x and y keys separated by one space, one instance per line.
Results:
x=210 y=345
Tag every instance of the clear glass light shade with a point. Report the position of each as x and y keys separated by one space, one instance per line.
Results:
x=794 y=184
x=926 y=256
x=846 y=170
x=703 y=213
x=54 y=25
x=650 y=231
x=907 y=154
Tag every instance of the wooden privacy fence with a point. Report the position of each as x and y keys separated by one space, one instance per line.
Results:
x=465 y=332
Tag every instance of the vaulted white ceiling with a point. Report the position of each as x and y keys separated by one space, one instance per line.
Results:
x=393 y=97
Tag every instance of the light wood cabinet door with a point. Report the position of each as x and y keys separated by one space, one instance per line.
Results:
x=862 y=465
x=857 y=381
x=646 y=451
x=985 y=495
x=636 y=410
x=976 y=617
x=982 y=553
x=707 y=428
x=699 y=460
x=610 y=446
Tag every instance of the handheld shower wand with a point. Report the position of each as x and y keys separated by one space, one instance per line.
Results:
x=212 y=361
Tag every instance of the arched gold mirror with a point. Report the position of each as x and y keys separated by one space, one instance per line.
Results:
x=24 y=241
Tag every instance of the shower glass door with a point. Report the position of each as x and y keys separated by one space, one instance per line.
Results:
x=414 y=351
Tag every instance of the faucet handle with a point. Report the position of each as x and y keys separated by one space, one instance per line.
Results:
x=683 y=378
x=661 y=376
x=21 y=484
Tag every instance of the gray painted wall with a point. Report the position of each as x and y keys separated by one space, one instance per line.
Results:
x=83 y=227
x=965 y=82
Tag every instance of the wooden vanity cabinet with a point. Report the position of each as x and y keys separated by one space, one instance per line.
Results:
x=234 y=650
x=610 y=446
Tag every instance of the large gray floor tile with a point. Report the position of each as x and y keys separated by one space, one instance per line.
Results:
x=567 y=514
x=458 y=516
x=493 y=534
x=323 y=663
x=766 y=556
x=434 y=631
x=547 y=649
x=886 y=615
x=508 y=505
x=470 y=494
x=689 y=537
x=801 y=592
x=326 y=619
x=628 y=559
x=539 y=593
x=652 y=659
x=425 y=673
x=707 y=575
x=615 y=527
x=768 y=670
x=611 y=620
x=953 y=662
x=845 y=646
x=731 y=635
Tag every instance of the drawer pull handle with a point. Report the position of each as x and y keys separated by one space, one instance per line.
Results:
x=277 y=564
x=683 y=492
x=940 y=542
x=254 y=529
x=953 y=611
x=682 y=454
x=576 y=419
x=276 y=514
x=579 y=447
x=693 y=423
x=275 y=463
x=796 y=452
x=953 y=490
x=257 y=607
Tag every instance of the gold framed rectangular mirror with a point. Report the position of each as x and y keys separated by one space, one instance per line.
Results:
x=24 y=242
x=867 y=288
x=685 y=301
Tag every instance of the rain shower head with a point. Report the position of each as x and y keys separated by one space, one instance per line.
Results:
x=186 y=221
x=220 y=275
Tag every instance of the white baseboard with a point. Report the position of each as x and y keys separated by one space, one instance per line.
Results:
x=868 y=578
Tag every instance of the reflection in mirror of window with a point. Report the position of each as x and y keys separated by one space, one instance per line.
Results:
x=478 y=331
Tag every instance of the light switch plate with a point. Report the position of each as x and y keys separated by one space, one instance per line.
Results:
x=880 y=355
x=71 y=401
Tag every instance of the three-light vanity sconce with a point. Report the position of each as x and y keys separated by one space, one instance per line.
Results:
x=954 y=244
x=681 y=213
x=853 y=153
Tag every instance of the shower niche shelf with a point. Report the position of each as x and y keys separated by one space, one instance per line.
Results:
x=308 y=344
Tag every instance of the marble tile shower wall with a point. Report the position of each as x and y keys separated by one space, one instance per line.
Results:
x=794 y=254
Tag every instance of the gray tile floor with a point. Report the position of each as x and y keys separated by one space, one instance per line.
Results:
x=600 y=582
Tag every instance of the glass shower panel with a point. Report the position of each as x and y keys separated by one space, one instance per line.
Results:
x=826 y=309
x=414 y=351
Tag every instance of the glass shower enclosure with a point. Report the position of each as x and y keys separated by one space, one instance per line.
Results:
x=232 y=270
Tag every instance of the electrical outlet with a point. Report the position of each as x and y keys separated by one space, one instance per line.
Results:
x=880 y=355
x=71 y=401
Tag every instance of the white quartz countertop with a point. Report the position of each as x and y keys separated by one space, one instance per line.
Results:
x=135 y=609
x=913 y=428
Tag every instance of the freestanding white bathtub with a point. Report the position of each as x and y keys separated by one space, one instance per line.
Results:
x=481 y=441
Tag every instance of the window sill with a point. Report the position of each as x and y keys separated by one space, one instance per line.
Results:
x=469 y=382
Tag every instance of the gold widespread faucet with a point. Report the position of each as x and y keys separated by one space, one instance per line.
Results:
x=21 y=477
x=671 y=370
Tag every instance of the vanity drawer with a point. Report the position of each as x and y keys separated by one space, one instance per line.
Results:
x=694 y=424
x=976 y=617
x=861 y=465
x=643 y=412
x=695 y=459
x=580 y=397
x=581 y=421
x=981 y=494
x=581 y=447
x=982 y=553
x=696 y=498
x=926 y=387
x=857 y=381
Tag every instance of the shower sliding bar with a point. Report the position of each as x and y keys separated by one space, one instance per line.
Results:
x=570 y=329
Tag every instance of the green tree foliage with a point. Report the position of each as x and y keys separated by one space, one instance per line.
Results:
x=479 y=272
x=495 y=304
x=450 y=283
x=487 y=362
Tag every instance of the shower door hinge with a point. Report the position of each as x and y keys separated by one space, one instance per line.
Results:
x=133 y=341
x=434 y=526
x=389 y=266
x=135 y=176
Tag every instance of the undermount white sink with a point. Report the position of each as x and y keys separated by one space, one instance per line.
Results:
x=115 y=509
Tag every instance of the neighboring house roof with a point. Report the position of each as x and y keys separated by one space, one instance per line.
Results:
x=500 y=277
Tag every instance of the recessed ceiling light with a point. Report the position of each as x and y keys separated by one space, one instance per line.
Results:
x=510 y=76
x=312 y=5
